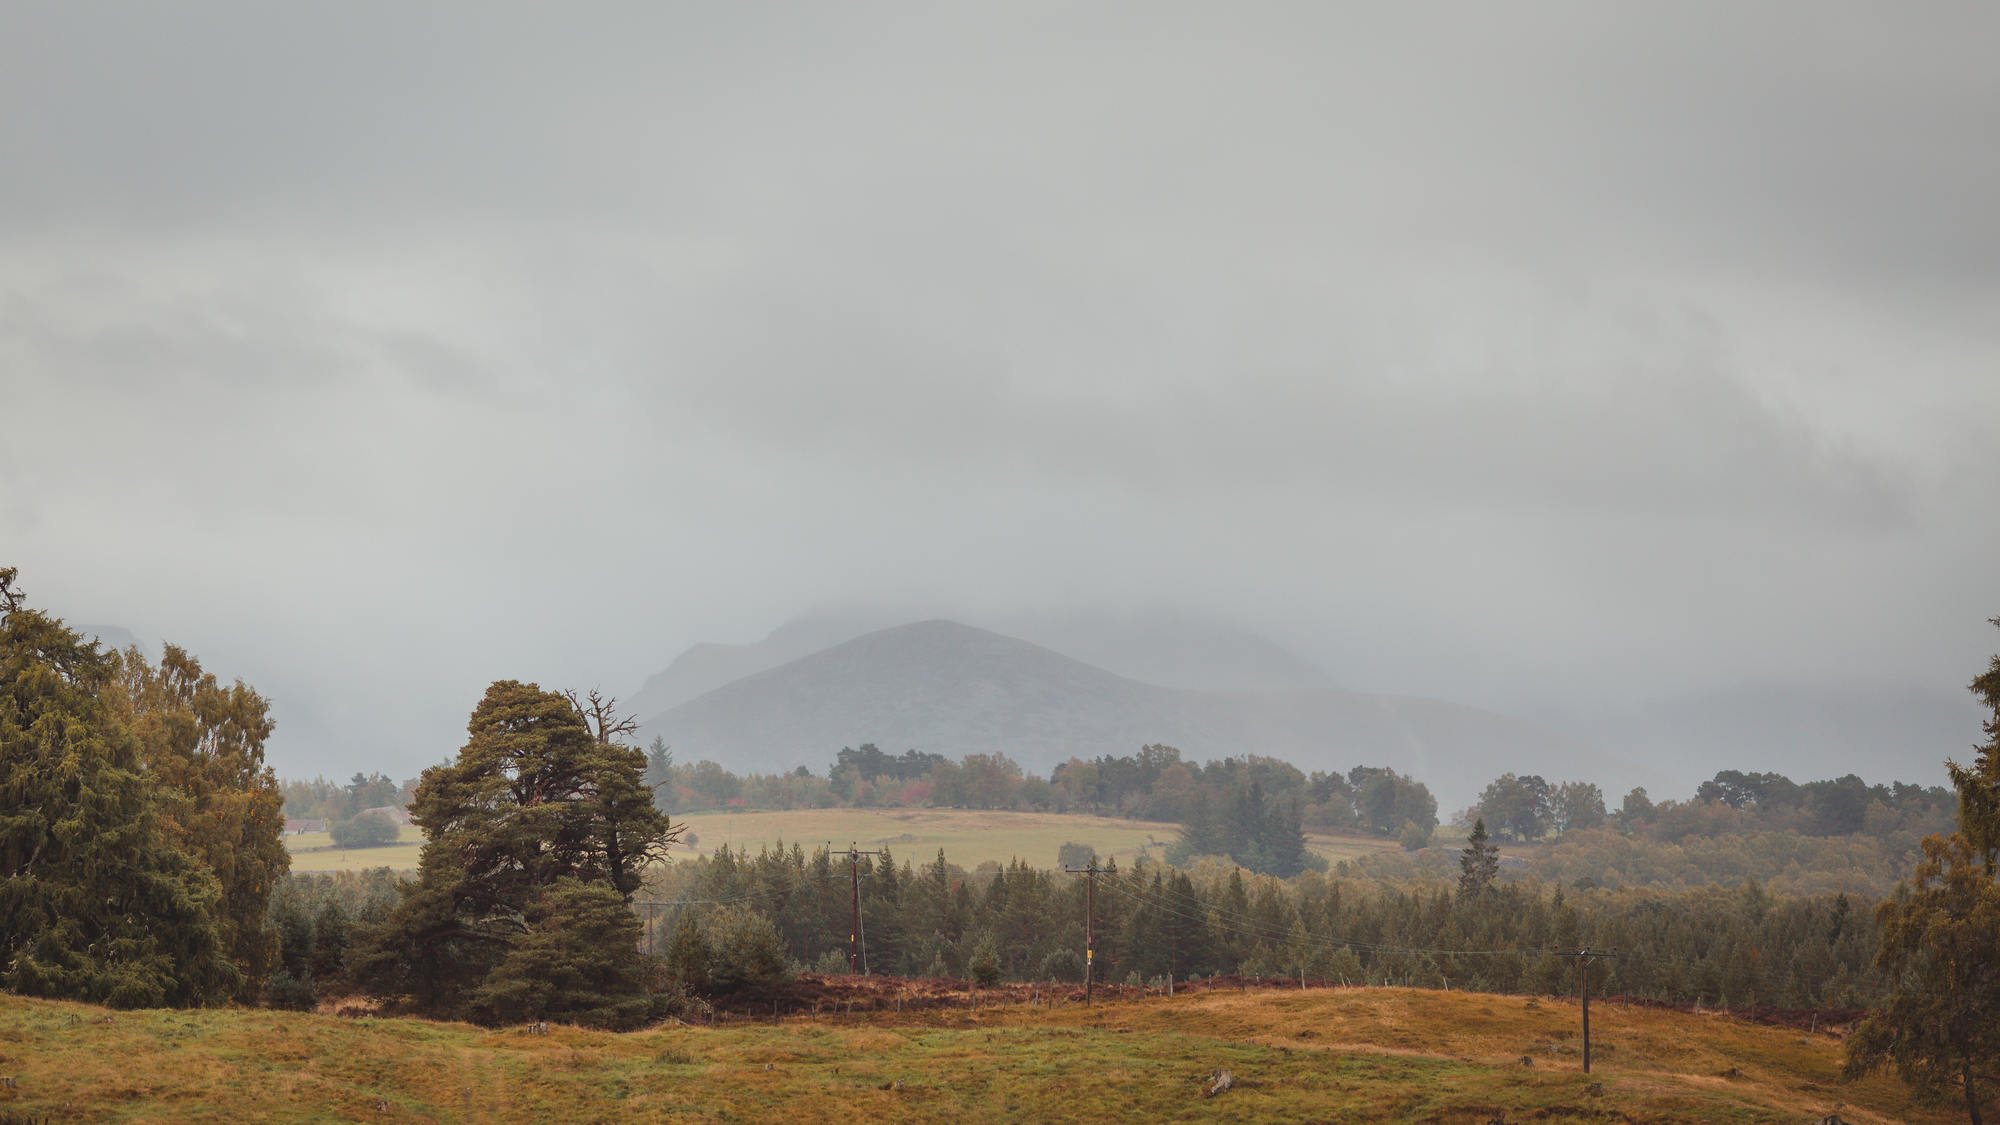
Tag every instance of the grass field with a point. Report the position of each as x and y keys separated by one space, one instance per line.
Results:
x=1349 y=1055
x=314 y=852
x=967 y=836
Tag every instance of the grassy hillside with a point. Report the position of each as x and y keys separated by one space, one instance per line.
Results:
x=966 y=835
x=1338 y=1054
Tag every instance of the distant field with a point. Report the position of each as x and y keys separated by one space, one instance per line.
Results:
x=967 y=836
x=314 y=852
x=1348 y=1055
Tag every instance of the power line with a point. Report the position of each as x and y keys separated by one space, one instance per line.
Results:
x=1089 y=923
x=857 y=953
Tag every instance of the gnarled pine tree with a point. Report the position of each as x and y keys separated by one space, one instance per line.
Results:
x=535 y=797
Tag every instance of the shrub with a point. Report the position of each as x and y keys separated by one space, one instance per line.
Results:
x=1062 y=964
x=1073 y=854
x=1414 y=836
x=283 y=990
x=369 y=830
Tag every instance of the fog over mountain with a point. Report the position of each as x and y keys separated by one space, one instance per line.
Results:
x=1157 y=649
x=1626 y=370
x=954 y=689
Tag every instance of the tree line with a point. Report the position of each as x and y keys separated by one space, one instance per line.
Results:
x=1733 y=947
x=141 y=861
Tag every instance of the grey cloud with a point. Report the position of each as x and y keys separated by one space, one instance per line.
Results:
x=1538 y=358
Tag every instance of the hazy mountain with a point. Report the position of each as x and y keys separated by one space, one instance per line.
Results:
x=1153 y=648
x=954 y=689
x=706 y=667
x=1169 y=650
x=113 y=638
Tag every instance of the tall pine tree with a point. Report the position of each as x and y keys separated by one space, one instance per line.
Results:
x=1479 y=863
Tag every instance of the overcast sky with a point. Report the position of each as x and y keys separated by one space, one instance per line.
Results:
x=1572 y=360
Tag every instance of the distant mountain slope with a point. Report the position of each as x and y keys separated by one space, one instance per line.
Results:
x=113 y=638
x=1168 y=649
x=1153 y=648
x=954 y=689
x=706 y=667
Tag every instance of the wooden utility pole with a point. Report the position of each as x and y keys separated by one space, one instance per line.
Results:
x=1089 y=924
x=1583 y=958
x=854 y=855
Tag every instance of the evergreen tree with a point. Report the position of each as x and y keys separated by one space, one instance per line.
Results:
x=1941 y=945
x=1284 y=840
x=534 y=797
x=689 y=956
x=1978 y=784
x=577 y=963
x=1478 y=864
x=1202 y=832
x=660 y=773
x=97 y=902
x=985 y=964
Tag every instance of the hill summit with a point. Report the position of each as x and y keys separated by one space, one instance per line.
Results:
x=954 y=689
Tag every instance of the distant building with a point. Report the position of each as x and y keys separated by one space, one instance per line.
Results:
x=300 y=827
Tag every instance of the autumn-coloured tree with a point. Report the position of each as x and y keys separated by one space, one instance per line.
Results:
x=203 y=743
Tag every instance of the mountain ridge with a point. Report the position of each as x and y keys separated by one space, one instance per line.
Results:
x=955 y=689
x=1166 y=649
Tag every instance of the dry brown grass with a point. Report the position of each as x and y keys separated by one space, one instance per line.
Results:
x=1320 y=1055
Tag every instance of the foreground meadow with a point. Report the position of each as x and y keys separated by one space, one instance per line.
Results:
x=1318 y=1055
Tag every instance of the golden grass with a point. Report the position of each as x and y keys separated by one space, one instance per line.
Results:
x=1322 y=1055
x=968 y=836
x=314 y=852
